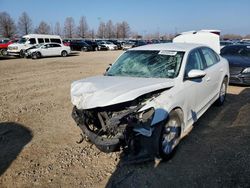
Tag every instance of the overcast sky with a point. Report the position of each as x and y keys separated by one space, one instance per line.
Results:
x=143 y=16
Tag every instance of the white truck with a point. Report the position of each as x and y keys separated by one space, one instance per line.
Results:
x=27 y=41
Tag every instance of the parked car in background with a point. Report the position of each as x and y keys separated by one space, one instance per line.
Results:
x=93 y=44
x=80 y=45
x=108 y=45
x=149 y=98
x=47 y=49
x=117 y=43
x=66 y=42
x=4 y=43
x=224 y=43
x=238 y=57
x=101 y=46
x=27 y=41
x=133 y=44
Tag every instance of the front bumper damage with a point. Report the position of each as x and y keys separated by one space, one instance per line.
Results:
x=123 y=132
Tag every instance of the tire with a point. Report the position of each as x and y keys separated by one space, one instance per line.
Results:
x=4 y=52
x=64 y=53
x=22 y=53
x=170 y=135
x=84 y=49
x=36 y=55
x=222 y=94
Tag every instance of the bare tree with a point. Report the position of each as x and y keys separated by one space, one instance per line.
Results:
x=92 y=34
x=117 y=30
x=57 y=29
x=69 y=27
x=109 y=30
x=231 y=36
x=247 y=36
x=24 y=24
x=43 y=28
x=83 y=27
x=101 y=30
x=7 y=25
x=124 y=30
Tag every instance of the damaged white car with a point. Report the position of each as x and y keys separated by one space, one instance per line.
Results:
x=149 y=98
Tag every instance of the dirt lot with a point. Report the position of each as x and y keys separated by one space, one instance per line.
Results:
x=38 y=136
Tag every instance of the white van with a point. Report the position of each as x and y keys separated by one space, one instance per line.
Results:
x=27 y=41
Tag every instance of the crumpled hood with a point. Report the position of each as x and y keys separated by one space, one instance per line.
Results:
x=100 y=91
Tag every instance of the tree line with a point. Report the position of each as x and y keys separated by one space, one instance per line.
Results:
x=121 y=30
x=10 y=29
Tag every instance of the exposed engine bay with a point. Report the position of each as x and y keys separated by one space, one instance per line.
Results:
x=122 y=127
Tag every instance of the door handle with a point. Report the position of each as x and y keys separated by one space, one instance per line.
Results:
x=221 y=70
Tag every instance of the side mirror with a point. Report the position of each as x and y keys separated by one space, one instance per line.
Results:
x=108 y=67
x=195 y=73
x=28 y=42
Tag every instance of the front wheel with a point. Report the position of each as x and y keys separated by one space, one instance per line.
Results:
x=22 y=54
x=36 y=55
x=170 y=135
x=222 y=94
x=4 y=52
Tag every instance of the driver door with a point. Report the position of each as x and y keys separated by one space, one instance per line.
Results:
x=195 y=89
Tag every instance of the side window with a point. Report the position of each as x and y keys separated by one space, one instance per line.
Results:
x=46 y=40
x=56 y=40
x=40 y=40
x=194 y=61
x=55 y=45
x=32 y=41
x=209 y=56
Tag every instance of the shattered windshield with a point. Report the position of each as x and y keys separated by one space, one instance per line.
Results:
x=147 y=64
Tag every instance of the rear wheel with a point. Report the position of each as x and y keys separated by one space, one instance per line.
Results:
x=64 y=54
x=170 y=135
x=84 y=49
x=222 y=94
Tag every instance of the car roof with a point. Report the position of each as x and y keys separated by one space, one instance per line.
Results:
x=169 y=46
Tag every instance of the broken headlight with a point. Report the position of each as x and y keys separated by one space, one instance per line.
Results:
x=141 y=118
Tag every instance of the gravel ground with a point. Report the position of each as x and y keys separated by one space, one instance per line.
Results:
x=38 y=136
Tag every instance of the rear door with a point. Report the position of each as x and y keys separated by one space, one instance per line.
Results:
x=214 y=71
x=55 y=49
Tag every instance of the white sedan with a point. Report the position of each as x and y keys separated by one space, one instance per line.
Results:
x=149 y=98
x=47 y=49
x=108 y=45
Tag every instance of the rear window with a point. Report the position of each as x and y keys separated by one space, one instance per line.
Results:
x=210 y=56
x=56 y=40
